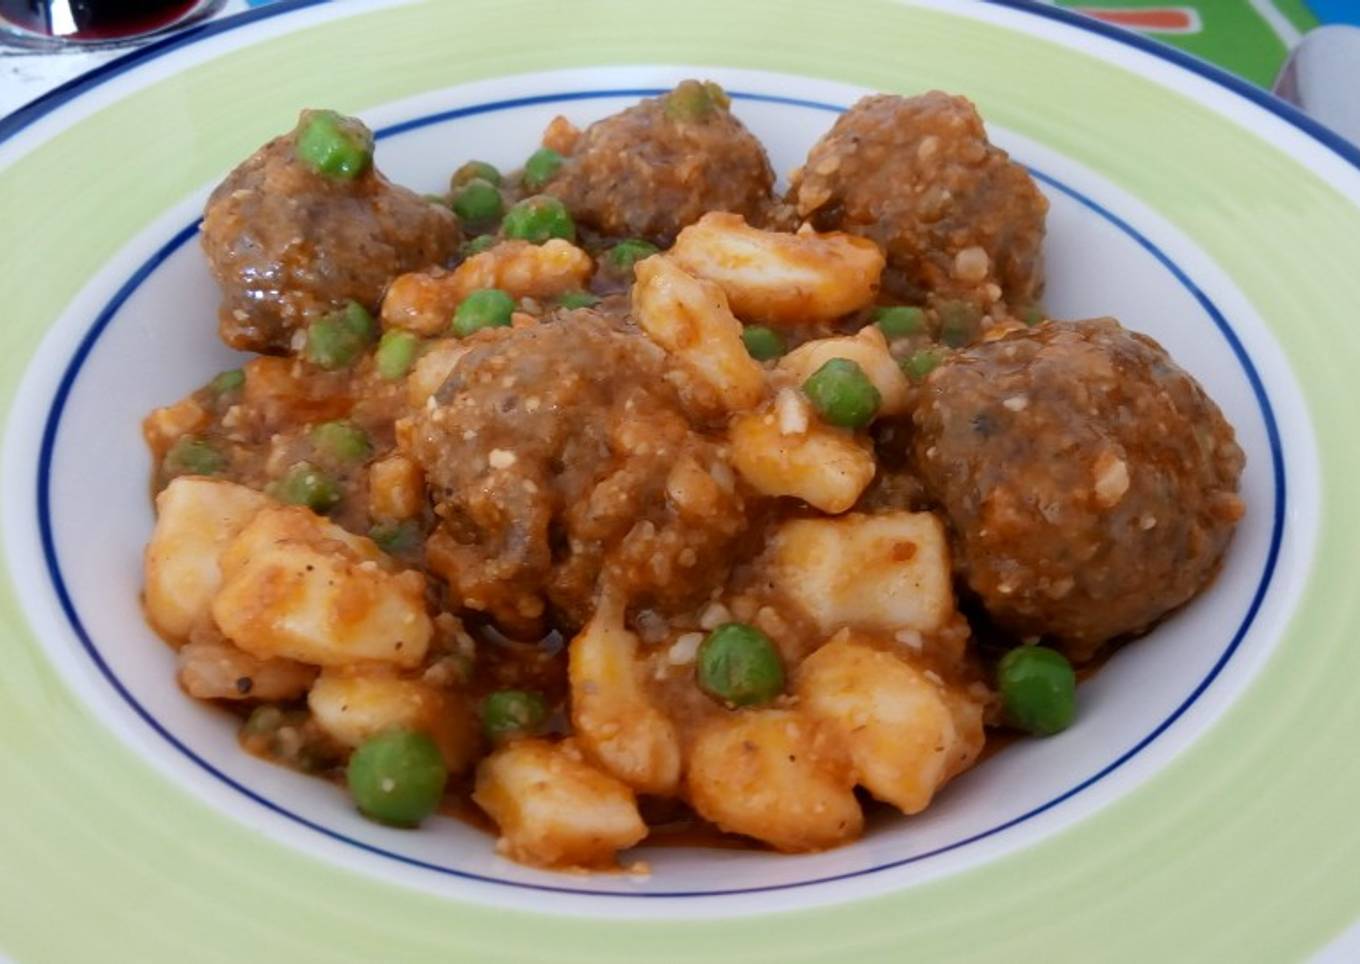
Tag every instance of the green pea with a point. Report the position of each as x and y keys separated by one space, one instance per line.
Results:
x=738 y=665
x=396 y=353
x=397 y=777
x=1038 y=689
x=578 y=299
x=625 y=254
x=762 y=343
x=899 y=321
x=227 y=382
x=1033 y=315
x=337 y=339
x=959 y=323
x=334 y=145
x=842 y=394
x=193 y=456
x=693 y=101
x=396 y=538
x=478 y=202
x=305 y=484
x=541 y=167
x=341 y=441
x=921 y=363
x=263 y=719
x=539 y=218
x=484 y=308
x=506 y=712
x=475 y=170
x=483 y=242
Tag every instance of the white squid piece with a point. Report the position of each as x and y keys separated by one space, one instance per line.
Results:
x=612 y=716
x=691 y=320
x=777 y=278
x=298 y=586
x=396 y=488
x=220 y=671
x=353 y=705
x=886 y=572
x=908 y=732
x=432 y=368
x=779 y=776
x=195 y=520
x=554 y=808
x=424 y=303
x=826 y=467
x=168 y=423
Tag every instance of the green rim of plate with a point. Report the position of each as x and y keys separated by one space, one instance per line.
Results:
x=1244 y=847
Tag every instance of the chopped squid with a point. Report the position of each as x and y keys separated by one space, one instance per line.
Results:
x=776 y=278
x=424 y=302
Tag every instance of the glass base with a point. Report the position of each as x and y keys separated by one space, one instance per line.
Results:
x=19 y=39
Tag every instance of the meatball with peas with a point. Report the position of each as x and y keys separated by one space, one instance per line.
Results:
x=956 y=217
x=648 y=171
x=1090 y=483
x=306 y=225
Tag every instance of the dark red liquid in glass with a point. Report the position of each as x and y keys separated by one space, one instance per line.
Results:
x=93 y=19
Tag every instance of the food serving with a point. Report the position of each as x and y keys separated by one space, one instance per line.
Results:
x=621 y=494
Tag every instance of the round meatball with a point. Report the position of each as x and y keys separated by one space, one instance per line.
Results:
x=662 y=164
x=954 y=215
x=286 y=243
x=1090 y=482
x=562 y=454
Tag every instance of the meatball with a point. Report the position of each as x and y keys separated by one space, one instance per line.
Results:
x=953 y=214
x=286 y=243
x=1089 y=481
x=660 y=165
x=561 y=454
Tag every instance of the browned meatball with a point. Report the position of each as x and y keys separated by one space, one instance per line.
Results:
x=561 y=453
x=953 y=214
x=660 y=165
x=286 y=243
x=1090 y=482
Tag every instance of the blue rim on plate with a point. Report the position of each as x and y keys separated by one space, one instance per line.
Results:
x=106 y=314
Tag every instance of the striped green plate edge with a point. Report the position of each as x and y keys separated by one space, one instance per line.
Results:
x=1244 y=848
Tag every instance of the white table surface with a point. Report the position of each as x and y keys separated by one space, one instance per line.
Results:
x=27 y=74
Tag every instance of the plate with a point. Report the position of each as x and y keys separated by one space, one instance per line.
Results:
x=1202 y=778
